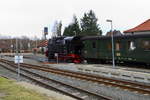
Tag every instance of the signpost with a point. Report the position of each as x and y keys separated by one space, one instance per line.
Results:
x=18 y=59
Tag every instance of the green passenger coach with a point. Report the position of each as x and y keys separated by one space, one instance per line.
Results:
x=127 y=48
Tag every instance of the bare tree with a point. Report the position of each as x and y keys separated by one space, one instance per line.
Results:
x=56 y=31
x=24 y=41
x=59 y=28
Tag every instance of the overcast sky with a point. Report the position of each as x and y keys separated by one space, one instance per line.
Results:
x=28 y=17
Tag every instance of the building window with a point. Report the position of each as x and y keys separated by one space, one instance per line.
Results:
x=146 y=44
x=131 y=45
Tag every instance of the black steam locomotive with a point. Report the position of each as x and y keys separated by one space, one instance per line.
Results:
x=67 y=49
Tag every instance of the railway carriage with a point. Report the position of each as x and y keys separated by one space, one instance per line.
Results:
x=127 y=48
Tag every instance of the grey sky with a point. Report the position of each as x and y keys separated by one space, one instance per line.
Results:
x=28 y=17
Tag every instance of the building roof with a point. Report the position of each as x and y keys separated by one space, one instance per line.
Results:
x=121 y=37
x=5 y=44
x=43 y=43
x=145 y=26
x=115 y=32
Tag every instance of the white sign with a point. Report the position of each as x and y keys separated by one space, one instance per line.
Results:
x=18 y=59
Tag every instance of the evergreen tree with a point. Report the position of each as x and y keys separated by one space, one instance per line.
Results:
x=72 y=29
x=68 y=31
x=89 y=24
x=75 y=26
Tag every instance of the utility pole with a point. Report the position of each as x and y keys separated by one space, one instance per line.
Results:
x=11 y=46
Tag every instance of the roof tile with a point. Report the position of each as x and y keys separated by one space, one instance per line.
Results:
x=43 y=43
x=145 y=26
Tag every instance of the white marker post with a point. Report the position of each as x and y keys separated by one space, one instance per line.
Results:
x=56 y=55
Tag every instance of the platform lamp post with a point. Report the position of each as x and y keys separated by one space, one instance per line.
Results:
x=112 y=41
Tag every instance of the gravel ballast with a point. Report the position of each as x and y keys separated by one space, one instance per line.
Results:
x=116 y=93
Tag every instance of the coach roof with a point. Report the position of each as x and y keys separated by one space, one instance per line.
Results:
x=107 y=37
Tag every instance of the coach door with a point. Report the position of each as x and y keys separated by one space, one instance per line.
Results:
x=94 y=49
x=117 y=49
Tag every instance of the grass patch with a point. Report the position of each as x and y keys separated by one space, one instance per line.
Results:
x=12 y=91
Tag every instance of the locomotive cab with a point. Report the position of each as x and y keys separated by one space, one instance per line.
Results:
x=74 y=47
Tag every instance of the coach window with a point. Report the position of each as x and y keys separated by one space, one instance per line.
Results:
x=93 y=44
x=109 y=46
x=117 y=46
x=131 y=45
x=146 y=45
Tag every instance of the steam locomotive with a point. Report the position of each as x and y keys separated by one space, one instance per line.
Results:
x=67 y=49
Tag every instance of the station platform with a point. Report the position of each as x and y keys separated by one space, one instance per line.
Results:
x=131 y=74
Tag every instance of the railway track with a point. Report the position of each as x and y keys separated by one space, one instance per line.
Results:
x=131 y=86
x=80 y=94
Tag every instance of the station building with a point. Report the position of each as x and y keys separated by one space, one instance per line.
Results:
x=5 y=45
x=42 y=46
